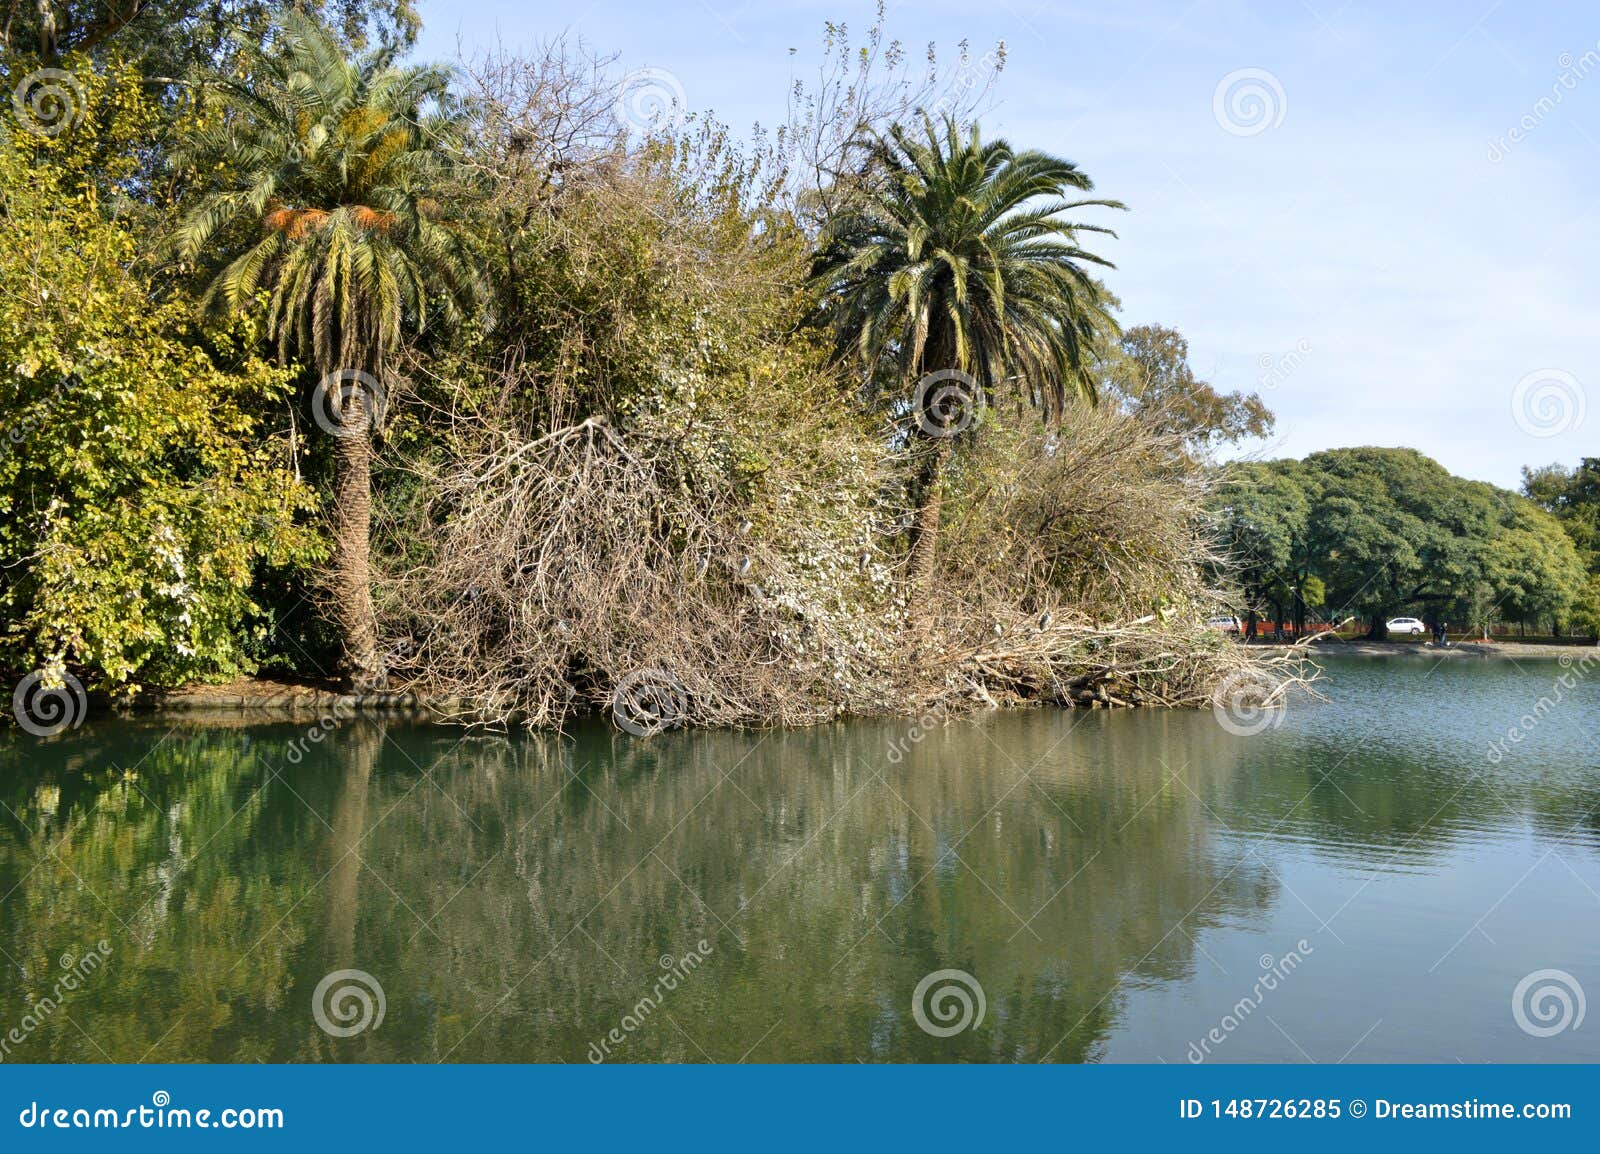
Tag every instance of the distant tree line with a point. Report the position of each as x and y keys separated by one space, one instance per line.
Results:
x=1375 y=532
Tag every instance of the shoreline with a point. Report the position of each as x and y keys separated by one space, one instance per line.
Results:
x=253 y=699
x=1497 y=650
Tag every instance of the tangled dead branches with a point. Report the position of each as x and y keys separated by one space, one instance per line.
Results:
x=572 y=565
x=588 y=569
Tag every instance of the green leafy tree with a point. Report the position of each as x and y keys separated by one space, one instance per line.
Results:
x=952 y=255
x=1392 y=528
x=1572 y=496
x=1532 y=571
x=331 y=166
x=1263 y=512
x=139 y=492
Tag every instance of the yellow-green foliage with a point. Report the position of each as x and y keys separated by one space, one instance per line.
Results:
x=137 y=487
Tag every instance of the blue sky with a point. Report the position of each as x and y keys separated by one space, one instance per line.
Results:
x=1379 y=250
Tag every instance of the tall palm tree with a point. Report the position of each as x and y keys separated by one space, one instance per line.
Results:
x=952 y=257
x=330 y=175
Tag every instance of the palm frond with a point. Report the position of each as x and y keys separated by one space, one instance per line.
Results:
x=329 y=159
x=958 y=250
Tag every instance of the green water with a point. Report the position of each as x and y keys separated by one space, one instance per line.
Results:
x=1113 y=882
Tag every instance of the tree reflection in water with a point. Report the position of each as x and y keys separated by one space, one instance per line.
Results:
x=517 y=896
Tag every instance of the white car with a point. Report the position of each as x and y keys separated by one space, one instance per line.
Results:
x=1407 y=625
x=1225 y=624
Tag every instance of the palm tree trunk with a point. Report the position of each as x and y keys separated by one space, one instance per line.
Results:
x=925 y=527
x=352 y=530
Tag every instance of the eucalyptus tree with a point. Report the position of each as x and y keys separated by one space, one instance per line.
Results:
x=951 y=269
x=326 y=175
x=1150 y=379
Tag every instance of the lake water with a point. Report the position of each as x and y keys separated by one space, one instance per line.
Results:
x=1368 y=880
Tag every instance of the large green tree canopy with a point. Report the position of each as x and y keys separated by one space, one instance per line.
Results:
x=1390 y=530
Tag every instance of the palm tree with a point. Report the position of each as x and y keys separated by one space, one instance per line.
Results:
x=331 y=171
x=950 y=271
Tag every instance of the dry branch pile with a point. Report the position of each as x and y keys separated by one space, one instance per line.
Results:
x=591 y=569
x=581 y=561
